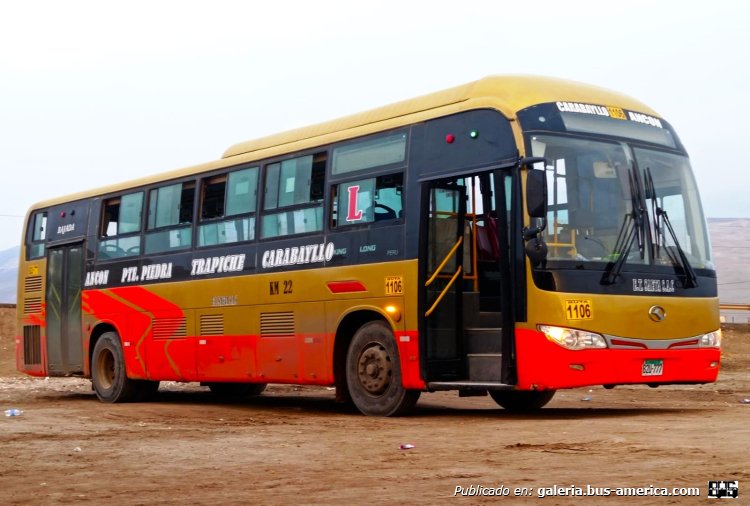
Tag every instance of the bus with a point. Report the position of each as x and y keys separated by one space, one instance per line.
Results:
x=513 y=236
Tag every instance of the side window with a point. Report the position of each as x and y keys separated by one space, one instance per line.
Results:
x=368 y=200
x=228 y=208
x=293 y=196
x=120 y=227
x=369 y=153
x=170 y=216
x=37 y=235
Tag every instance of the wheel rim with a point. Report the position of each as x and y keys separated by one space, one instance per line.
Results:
x=374 y=369
x=105 y=368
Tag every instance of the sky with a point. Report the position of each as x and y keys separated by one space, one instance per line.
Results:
x=93 y=93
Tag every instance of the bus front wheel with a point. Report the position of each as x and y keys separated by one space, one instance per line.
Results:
x=373 y=373
x=522 y=401
x=108 y=376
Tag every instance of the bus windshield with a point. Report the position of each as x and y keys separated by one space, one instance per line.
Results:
x=610 y=201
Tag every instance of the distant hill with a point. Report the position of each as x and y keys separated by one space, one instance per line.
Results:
x=730 y=238
x=8 y=274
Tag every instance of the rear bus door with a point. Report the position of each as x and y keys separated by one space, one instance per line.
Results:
x=66 y=255
x=64 y=280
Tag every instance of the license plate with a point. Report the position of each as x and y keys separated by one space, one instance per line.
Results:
x=652 y=368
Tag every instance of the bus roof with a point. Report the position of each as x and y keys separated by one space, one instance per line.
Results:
x=507 y=94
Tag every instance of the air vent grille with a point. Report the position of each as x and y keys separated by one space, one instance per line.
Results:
x=33 y=284
x=166 y=328
x=212 y=325
x=32 y=305
x=276 y=324
x=32 y=345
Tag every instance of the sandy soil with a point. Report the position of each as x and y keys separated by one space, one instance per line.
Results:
x=296 y=446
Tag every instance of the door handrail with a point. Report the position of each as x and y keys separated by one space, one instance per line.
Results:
x=445 y=261
x=442 y=294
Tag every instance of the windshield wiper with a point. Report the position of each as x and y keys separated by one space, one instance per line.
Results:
x=680 y=258
x=632 y=229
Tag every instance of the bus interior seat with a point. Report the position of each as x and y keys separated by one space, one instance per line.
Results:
x=382 y=213
x=488 y=246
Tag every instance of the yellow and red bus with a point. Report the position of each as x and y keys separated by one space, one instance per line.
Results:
x=511 y=236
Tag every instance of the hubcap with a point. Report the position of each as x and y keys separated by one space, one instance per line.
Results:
x=374 y=369
x=106 y=369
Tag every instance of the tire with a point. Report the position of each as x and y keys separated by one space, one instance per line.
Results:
x=373 y=373
x=108 y=375
x=522 y=401
x=236 y=390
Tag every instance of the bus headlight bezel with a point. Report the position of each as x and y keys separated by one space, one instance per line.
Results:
x=573 y=339
x=710 y=340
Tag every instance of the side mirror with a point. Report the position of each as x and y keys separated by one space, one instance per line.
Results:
x=536 y=202
x=536 y=193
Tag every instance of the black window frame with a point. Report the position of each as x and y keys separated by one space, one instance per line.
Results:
x=333 y=211
x=253 y=213
x=389 y=167
x=324 y=153
x=31 y=242
x=100 y=237
x=189 y=225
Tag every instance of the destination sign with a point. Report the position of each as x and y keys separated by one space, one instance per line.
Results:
x=610 y=112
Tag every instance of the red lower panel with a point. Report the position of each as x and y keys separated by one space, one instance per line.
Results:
x=167 y=353
x=226 y=358
x=408 y=350
x=134 y=328
x=545 y=365
x=171 y=359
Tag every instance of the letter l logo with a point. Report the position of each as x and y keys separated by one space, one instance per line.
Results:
x=354 y=214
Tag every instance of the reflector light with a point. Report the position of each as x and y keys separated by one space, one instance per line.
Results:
x=346 y=286
x=394 y=312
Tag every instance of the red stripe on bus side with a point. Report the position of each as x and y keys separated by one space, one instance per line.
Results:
x=346 y=286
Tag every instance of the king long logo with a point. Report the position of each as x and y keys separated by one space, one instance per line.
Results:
x=310 y=254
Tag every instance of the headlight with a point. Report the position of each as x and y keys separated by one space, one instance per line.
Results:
x=573 y=339
x=711 y=340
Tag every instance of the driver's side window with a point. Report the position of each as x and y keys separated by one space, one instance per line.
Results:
x=368 y=200
x=120 y=226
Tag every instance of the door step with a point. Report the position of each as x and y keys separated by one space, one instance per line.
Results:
x=484 y=366
x=468 y=385
x=481 y=340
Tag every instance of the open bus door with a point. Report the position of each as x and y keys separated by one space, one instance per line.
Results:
x=466 y=280
x=442 y=279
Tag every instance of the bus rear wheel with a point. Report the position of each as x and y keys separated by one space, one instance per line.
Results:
x=373 y=373
x=522 y=401
x=108 y=375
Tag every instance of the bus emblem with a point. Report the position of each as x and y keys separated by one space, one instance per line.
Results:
x=657 y=313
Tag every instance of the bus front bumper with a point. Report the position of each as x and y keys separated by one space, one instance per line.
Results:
x=543 y=365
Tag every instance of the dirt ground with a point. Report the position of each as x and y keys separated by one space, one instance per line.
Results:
x=296 y=446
